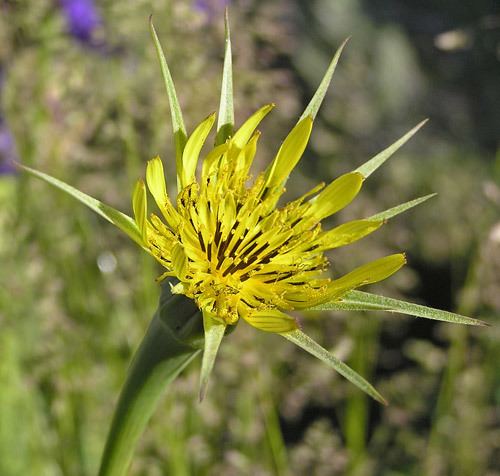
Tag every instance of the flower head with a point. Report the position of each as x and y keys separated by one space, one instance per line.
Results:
x=8 y=155
x=82 y=18
x=234 y=249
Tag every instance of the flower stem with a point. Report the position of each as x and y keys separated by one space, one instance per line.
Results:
x=172 y=340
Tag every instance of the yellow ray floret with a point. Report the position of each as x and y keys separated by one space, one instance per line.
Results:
x=237 y=254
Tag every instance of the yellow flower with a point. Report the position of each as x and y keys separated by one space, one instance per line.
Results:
x=234 y=250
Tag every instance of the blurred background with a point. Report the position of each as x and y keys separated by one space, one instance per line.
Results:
x=81 y=97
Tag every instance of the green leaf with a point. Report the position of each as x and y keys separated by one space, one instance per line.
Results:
x=363 y=301
x=315 y=103
x=374 y=163
x=311 y=346
x=170 y=344
x=179 y=130
x=225 y=123
x=214 y=332
x=392 y=212
x=117 y=218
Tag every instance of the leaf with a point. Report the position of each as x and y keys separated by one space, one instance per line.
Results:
x=179 y=130
x=225 y=123
x=117 y=218
x=214 y=332
x=363 y=301
x=315 y=103
x=392 y=212
x=311 y=346
x=374 y=163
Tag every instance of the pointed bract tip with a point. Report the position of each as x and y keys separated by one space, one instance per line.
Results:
x=483 y=323
x=344 y=43
x=203 y=391
x=422 y=123
x=152 y=28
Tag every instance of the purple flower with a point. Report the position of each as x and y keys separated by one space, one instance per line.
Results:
x=8 y=154
x=82 y=18
x=211 y=8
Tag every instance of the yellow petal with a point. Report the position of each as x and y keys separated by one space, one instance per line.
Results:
x=211 y=158
x=192 y=150
x=140 y=207
x=271 y=320
x=336 y=196
x=289 y=154
x=243 y=134
x=179 y=261
x=369 y=273
x=155 y=179
x=247 y=155
x=348 y=233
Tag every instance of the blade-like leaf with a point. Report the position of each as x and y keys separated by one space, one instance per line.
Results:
x=315 y=103
x=311 y=346
x=392 y=212
x=374 y=163
x=214 y=332
x=225 y=121
x=119 y=219
x=363 y=301
x=179 y=130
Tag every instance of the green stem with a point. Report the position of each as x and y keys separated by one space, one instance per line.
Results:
x=172 y=340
